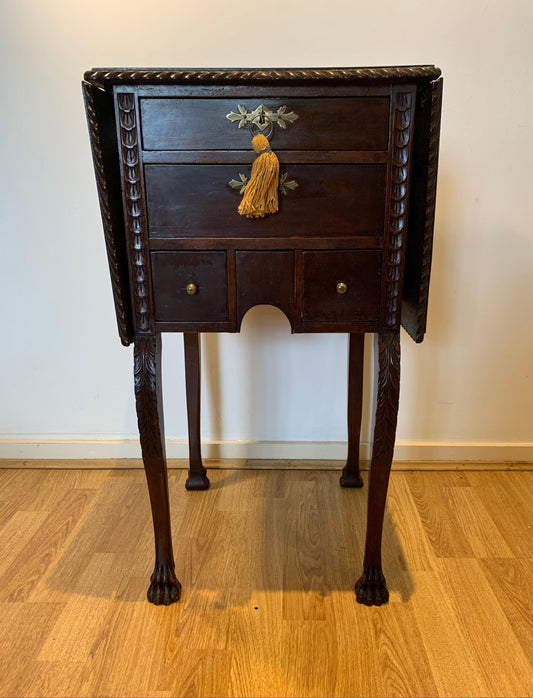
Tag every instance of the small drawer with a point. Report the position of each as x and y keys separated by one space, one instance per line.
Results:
x=327 y=123
x=341 y=286
x=190 y=286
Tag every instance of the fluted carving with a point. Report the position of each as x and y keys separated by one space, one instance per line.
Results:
x=397 y=223
x=118 y=277
x=135 y=224
x=253 y=76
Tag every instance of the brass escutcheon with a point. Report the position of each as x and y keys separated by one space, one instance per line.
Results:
x=191 y=289
x=262 y=117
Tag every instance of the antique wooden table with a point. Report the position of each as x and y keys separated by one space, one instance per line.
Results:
x=348 y=251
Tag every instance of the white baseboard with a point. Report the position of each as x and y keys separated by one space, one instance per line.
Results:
x=106 y=448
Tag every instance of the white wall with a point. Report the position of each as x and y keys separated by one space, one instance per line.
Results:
x=466 y=391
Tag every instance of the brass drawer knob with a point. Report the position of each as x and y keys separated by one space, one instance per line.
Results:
x=191 y=289
x=341 y=287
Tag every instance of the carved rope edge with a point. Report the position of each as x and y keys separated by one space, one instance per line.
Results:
x=417 y=72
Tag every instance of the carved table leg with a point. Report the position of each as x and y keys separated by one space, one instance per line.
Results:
x=350 y=473
x=370 y=588
x=164 y=587
x=197 y=479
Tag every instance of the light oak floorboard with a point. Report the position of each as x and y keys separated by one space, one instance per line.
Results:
x=106 y=464
x=268 y=560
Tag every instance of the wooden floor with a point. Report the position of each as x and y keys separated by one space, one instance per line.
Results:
x=267 y=560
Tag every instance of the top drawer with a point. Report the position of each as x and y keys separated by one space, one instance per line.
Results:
x=326 y=123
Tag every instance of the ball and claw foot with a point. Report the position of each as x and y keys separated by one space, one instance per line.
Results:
x=350 y=478
x=164 y=588
x=370 y=588
x=197 y=481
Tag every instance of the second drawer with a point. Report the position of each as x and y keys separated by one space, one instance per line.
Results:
x=185 y=200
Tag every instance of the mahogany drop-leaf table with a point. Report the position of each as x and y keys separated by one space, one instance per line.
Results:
x=349 y=249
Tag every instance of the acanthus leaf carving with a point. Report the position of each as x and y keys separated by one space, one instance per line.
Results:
x=388 y=346
x=145 y=379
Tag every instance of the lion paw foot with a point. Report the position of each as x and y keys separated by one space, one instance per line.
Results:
x=370 y=588
x=164 y=588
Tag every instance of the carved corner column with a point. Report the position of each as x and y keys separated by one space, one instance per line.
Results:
x=371 y=588
x=164 y=587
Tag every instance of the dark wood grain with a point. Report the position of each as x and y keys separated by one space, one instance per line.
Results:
x=361 y=123
x=232 y=292
x=285 y=157
x=243 y=91
x=313 y=242
x=164 y=588
x=336 y=326
x=197 y=478
x=191 y=200
x=298 y=288
x=360 y=270
x=181 y=326
x=265 y=278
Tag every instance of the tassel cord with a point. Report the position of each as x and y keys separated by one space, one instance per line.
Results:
x=260 y=195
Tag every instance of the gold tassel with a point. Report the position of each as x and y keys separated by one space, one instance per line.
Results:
x=261 y=191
